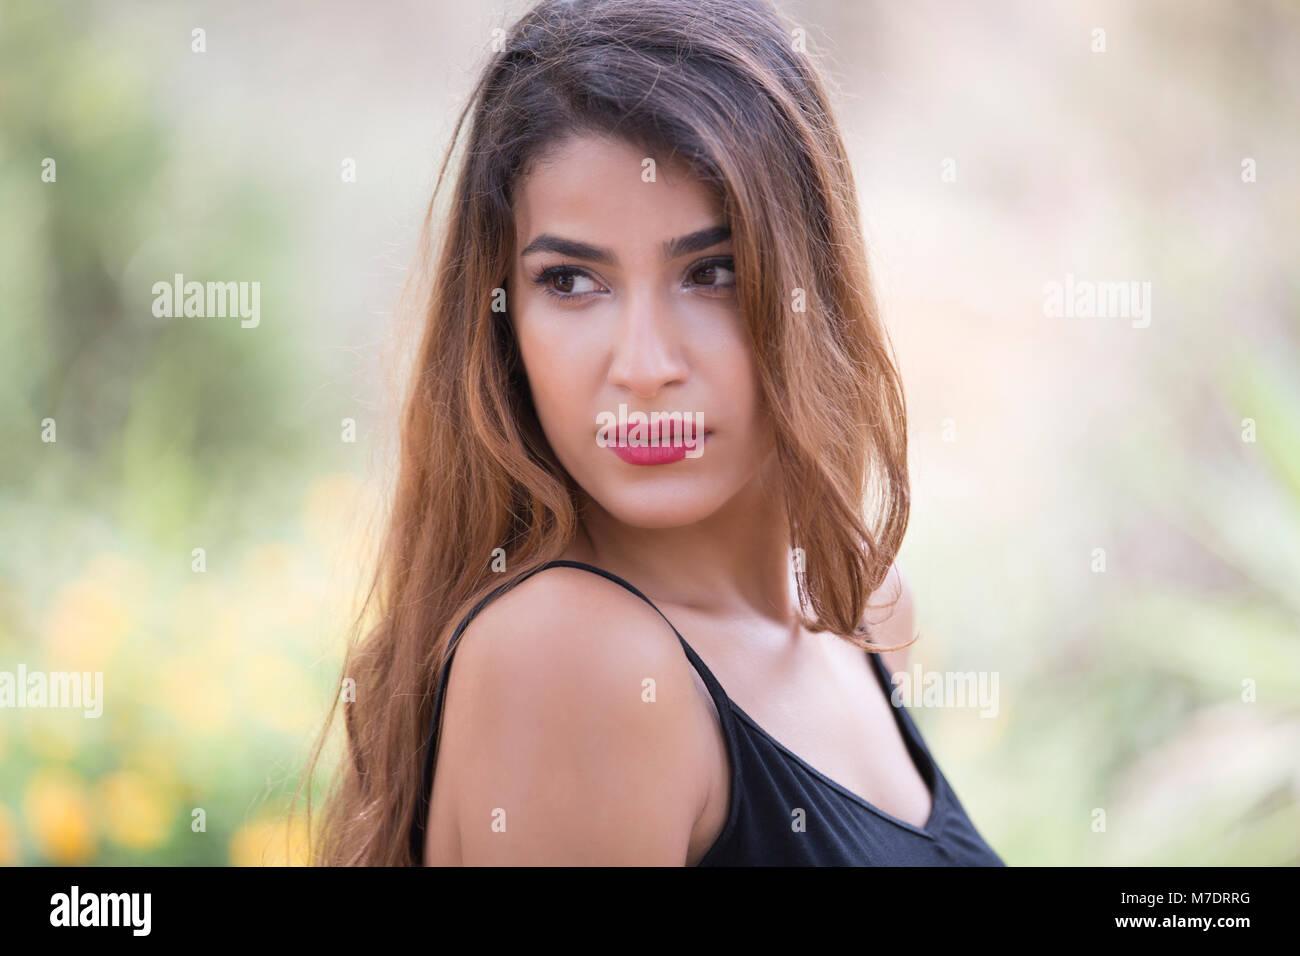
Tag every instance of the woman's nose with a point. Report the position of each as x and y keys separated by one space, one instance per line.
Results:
x=647 y=354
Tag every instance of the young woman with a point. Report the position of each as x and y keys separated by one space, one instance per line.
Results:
x=663 y=645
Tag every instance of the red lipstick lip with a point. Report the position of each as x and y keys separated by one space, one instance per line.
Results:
x=663 y=454
x=671 y=435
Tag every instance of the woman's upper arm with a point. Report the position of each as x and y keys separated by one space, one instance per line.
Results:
x=575 y=738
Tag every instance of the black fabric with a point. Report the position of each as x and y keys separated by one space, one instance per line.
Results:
x=769 y=783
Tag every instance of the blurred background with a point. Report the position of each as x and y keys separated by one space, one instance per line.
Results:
x=1106 y=514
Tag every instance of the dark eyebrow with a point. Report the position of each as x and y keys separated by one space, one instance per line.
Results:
x=672 y=248
x=696 y=241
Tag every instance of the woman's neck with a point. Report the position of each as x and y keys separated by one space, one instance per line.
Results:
x=736 y=562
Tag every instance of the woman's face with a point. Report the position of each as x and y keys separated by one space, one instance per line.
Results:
x=621 y=293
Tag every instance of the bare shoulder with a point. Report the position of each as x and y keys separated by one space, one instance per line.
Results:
x=893 y=616
x=566 y=618
x=572 y=729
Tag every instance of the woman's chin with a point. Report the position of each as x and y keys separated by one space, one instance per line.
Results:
x=660 y=509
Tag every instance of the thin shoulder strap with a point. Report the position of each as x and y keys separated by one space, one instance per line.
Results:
x=886 y=676
x=715 y=688
x=719 y=696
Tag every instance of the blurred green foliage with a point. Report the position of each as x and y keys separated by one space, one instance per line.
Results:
x=172 y=434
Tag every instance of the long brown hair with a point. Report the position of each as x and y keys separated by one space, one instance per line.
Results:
x=725 y=88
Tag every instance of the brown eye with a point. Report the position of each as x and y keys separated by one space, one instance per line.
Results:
x=558 y=281
x=717 y=273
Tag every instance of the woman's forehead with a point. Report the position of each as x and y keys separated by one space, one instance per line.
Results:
x=597 y=184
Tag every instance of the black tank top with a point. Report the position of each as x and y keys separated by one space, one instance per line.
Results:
x=770 y=784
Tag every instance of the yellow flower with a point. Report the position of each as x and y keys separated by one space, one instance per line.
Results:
x=59 y=815
x=270 y=842
x=194 y=692
x=85 y=625
x=137 y=811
